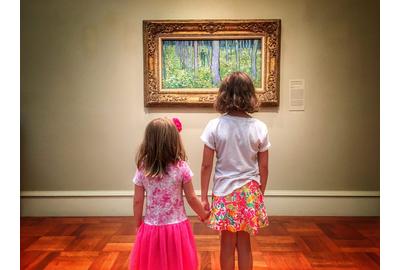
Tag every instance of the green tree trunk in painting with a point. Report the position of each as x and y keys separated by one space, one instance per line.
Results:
x=203 y=58
x=215 y=63
x=253 y=59
x=240 y=45
x=178 y=52
x=209 y=52
x=196 y=65
x=164 y=65
x=226 y=51
x=189 y=59
x=184 y=54
x=237 y=54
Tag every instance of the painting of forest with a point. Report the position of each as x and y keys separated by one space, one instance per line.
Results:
x=203 y=63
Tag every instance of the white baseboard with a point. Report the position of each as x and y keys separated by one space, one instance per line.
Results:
x=278 y=203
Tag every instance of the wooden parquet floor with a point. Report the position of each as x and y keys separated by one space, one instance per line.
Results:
x=319 y=243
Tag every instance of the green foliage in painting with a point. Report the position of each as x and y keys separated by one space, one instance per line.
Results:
x=204 y=63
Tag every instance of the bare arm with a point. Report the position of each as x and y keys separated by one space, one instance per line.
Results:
x=263 y=168
x=194 y=202
x=138 y=201
x=206 y=168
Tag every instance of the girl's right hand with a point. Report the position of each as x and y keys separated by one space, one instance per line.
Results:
x=205 y=204
x=205 y=216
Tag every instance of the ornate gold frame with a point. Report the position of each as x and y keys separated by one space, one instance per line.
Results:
x=155 y=31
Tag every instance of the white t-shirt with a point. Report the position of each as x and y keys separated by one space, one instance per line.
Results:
x=236 y=140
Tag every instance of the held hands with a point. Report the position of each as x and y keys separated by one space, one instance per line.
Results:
x=206 y=210
x=205 y=216
x=205 y=204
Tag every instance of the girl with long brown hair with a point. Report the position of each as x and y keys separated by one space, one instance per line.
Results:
x=164 y=239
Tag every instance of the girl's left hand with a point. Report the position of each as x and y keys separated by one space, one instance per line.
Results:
x=205 y=217
x=205 y=204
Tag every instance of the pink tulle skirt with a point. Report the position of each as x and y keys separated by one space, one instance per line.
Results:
x=164 y=247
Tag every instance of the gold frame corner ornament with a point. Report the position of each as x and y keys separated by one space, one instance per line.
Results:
x=155 y=30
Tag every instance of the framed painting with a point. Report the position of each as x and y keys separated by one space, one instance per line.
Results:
x=185 y=60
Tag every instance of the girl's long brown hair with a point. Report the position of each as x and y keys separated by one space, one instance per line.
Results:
x=161 y=145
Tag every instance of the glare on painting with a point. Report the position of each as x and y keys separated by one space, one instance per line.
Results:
x=203 y=63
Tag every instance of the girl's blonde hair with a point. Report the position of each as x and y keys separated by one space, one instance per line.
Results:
x=237 y=93
x=161 y=145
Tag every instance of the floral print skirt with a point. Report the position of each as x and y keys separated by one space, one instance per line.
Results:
x=241 y=210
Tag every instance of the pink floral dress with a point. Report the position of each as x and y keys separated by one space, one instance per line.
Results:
x=165 y=239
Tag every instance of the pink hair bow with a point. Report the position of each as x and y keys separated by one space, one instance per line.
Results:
x=177 y=123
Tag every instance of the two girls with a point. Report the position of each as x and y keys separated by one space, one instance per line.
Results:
x=165 y=240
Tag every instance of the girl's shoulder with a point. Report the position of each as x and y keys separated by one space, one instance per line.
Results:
x=182 y=170
x=214 y=121
x=259 y=123
x=224 y=118
x=228 y=120
x=211 y=125
x=259 y=127
x=181 y=164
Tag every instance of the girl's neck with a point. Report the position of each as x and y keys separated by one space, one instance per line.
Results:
x=239 y=114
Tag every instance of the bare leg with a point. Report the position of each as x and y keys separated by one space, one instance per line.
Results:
x=228 y=246
x=245 y=258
